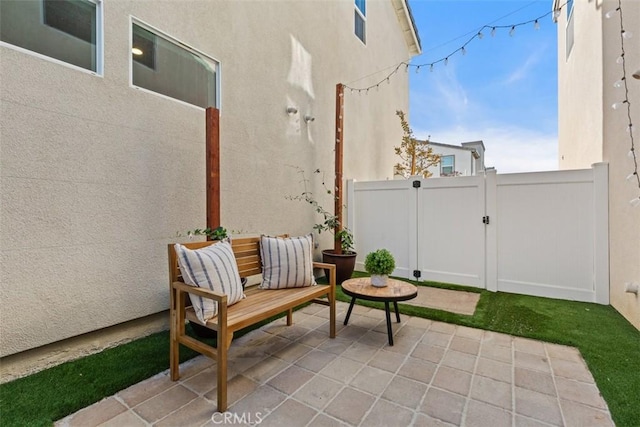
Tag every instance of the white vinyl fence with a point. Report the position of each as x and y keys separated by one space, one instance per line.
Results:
x=543 y=233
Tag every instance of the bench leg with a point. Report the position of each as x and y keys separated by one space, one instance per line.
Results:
x=290 y=317
x=174 y=348
x=332 y=315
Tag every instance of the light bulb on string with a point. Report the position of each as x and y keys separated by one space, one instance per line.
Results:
x=388 y=81
x=635 y=202
x=627 y=34
x=631 y=154
x=493 y=31
x=446 y=61
x=632 y=175
x=417 y=69
x=480 y=35
x=512 y=31
x=612 y=12
x=463 y=51
x=556 y=15
x=620 y=59
x=431 y=68
x=630 y=128
x=536 y=25
x=619 y=83
x=618 y=105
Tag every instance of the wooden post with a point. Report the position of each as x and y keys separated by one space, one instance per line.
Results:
x=338 y=163
x=213 y=167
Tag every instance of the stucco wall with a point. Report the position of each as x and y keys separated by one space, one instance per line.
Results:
x=590 y=130
x=97 y=176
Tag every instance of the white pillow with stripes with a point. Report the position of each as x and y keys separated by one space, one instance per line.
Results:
x=212 y=267
x=287 y=262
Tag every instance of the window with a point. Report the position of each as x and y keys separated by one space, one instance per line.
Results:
x=66 y=30
x=569 y=39
x=447 y=165
x=161 y=64
x=361 y=20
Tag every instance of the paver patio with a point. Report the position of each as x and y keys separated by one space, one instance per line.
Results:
x=436 y=374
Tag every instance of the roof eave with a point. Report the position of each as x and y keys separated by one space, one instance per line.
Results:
x=409 y=28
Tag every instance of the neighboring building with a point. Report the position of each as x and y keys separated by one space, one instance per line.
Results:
x=590 y=131
x=465 y=159
x=102 y=133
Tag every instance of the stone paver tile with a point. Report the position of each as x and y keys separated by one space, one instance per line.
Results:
x=336 y=345
x=467 y=332
x=293 y=332
x=319 y=324
x=313 y=338
x=576 y=391
x=453 y=380
x=360 y=352
x=371 y=380
x=353 y=332
x=418 y=370
x=259 y=403
x=409 y=332
x=203 y=382
x=128 y=419
x=385 y=414
x=401 y=345
x=95 y=414
x=318 y=392
x=266 y=369
x=541 y=382
x=405 y=392
x=576 y=414
x=557 y=351
x=531 y=361
x=465 y=345
x=419 y=322
x=291 y=379
x=498 y=339
x=293 y=352
x=312 y=309
x=290 y=413
x=480 y=414
x=494 y=369
x=459 y=360
x=275 y=344
x=146 y=389
x=366 y=322
x=387 y=360
x=572 y=370
x=342 y=369
x=195 y=366
x=443 y=405
x=422 y=420
x=491 y=391
x=446 y=328
x=322 y=420
x=241 y=364
x=361 y=309
x=374 y=339
x=237 y=388
x=166 y=402
x=436 y=338
x=315 y=360
x=427 y=352
x=526 y=345
x=522 y=421
x=537 y=405
x=495 y=352
x=195 y=413
x=350 y=405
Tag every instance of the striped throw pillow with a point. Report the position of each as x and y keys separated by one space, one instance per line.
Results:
x=212 y=267
x=287 y=262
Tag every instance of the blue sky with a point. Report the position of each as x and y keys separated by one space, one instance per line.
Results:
x=502 y=91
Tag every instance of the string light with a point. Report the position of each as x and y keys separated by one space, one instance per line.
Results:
x=462 y=49
x=622 y=83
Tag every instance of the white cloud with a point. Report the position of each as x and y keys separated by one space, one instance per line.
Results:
x=508 y=148
x=525 y=68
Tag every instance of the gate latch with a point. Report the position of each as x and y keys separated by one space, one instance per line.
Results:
x=485 y=220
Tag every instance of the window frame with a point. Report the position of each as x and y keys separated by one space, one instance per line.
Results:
x=177 y=42
x=569 y=31
x=362 y=14
x=99 y=49
x=453 y=165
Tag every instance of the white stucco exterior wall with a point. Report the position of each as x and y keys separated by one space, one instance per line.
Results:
x=591 y=131
x=97 y=177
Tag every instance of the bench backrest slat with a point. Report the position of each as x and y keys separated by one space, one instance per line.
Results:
x=245 y=249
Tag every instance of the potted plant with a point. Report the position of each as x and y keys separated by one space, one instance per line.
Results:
x=345 y=259
x=379 y=264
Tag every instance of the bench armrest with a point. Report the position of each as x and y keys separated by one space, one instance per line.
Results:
x=332 y=271
x=205 y=293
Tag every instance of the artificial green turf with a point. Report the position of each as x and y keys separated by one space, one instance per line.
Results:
x=609 y=344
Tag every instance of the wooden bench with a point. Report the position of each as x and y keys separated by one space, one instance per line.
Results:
x=259 y=305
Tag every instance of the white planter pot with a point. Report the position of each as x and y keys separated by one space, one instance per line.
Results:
x=379 y=280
